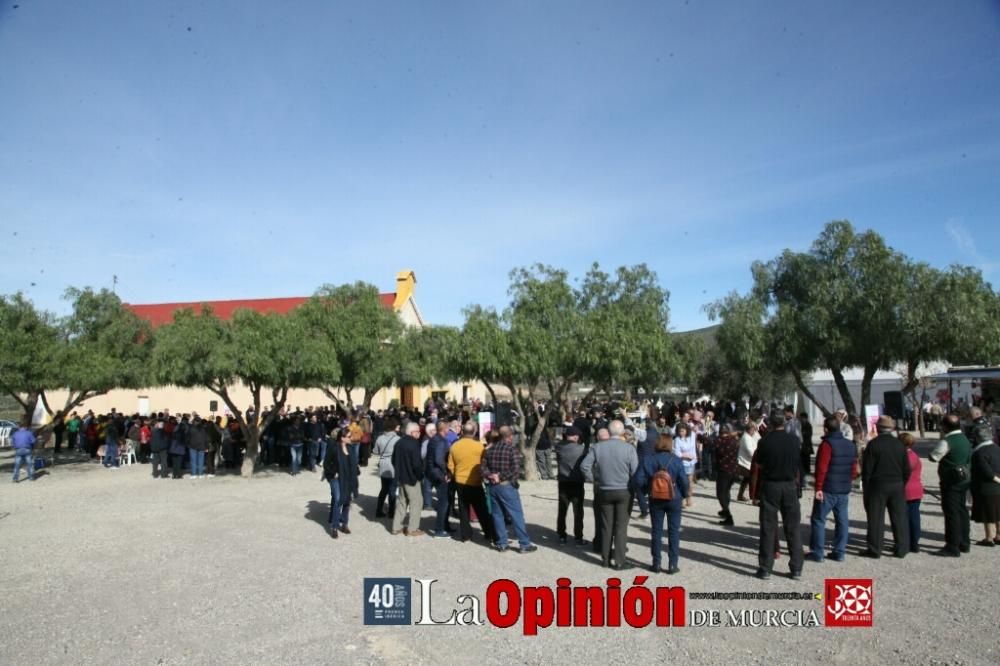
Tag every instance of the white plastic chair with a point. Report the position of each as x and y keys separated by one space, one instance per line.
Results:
x=127 y=455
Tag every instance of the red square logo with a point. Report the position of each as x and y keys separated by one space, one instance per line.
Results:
x=848 y=602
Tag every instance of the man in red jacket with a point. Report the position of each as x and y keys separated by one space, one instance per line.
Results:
x=836 y=469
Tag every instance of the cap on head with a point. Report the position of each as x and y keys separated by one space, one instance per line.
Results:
x=885 y=423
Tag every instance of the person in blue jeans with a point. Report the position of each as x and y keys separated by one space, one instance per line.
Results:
x=836 y=469
x=663 y=459
x=501 y=467
x=436 y=472
x=23 y=442
x=331 y=473
x=294 y=434
x=111 y=444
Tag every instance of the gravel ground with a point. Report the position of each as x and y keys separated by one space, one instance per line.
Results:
x=108 y=567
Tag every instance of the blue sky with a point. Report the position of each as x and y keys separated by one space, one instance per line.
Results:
x=217 y=150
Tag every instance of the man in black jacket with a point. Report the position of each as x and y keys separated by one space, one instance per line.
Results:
x=884 y=472
x=778 y=462
x=158 y=445
x=569 y=454
x=409 y=469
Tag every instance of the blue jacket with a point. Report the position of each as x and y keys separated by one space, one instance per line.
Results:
x=436 y=460
x=842 y=455
x=23 y=438
x=647 y=447
x=650 y=465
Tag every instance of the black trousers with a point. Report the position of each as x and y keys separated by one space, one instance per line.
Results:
x=956 y=516
x=614 y=526
x=744 y=484
x=596 y=506
x=388 y=491
x=177 y=462
x=877 y=498
x=159 y=459
x=570 y=492
x=779 y=497
x=475 y=497
x=724 y=491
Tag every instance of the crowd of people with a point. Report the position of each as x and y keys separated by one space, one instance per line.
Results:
x=655 y=462
x=435 y=460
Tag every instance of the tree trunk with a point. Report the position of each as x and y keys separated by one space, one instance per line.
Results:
x=530 y=473
x=28 y=406
x=866 y=386
x=251 y=429
x=845 y=392
x=910 y=390
x=489 y=389
x=366 y=403
x=253 y=451
x=333 y=396
x=797 y=376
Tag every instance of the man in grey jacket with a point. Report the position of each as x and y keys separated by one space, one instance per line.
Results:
x=611 y=466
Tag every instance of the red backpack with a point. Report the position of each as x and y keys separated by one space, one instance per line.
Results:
x=661 y=487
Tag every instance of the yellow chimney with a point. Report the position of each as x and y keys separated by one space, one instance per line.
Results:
x=405 y=282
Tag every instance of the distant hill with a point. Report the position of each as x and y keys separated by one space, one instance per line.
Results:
x=707 y=335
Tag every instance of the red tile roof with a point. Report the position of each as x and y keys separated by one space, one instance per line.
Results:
x=162 y=313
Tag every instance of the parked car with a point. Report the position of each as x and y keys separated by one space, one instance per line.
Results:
x=7 y=428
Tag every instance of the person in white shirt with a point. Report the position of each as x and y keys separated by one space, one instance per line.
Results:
x=744 y=457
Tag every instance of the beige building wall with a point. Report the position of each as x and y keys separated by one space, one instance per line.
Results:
x=185 y=401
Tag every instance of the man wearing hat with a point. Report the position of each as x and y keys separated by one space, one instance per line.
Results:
x=569 y=453
x=778 y=465
x=885 y=469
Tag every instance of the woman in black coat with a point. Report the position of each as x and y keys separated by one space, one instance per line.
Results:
x=985 y=484
x=340 y=469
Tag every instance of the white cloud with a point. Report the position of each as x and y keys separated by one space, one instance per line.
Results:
x=966 y=244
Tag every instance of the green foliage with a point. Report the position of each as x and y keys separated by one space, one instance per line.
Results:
x=852 y=301
x=260 y=351
x=426 y=356
x=625 y=340
x=30 y=345
x=364 y=334
x=100 y=346
x=611 y=330
x=108 y=346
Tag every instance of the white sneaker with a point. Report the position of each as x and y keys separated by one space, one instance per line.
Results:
x=211 y=476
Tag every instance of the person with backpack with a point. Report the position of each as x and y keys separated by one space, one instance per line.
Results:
x=385 y=445
x=663 y=478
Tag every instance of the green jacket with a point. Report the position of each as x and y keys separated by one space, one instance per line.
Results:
x=959 y=455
